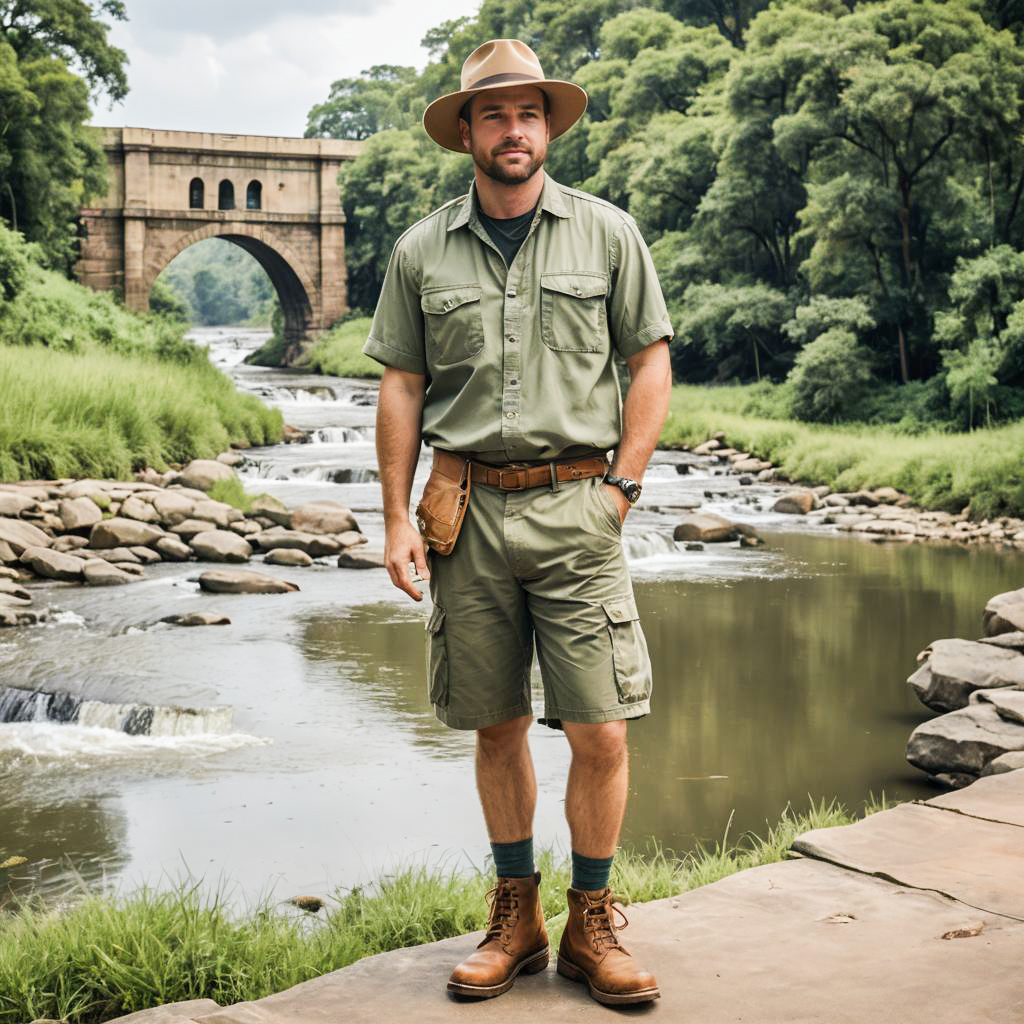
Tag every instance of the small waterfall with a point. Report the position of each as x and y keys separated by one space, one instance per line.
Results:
x=271 y=469
x=287 y=395
x=648 y=544
x=339 y=435
x=19 y=705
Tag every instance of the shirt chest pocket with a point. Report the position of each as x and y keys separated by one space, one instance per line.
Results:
x=453 y=323
x=572 y=312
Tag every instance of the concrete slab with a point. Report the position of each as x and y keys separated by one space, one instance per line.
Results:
x=997 y=798
x=970 y=859
x=792 y=943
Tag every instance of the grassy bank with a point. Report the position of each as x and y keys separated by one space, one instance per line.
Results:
x=339 y=351
x=110 y=956
x=90 y=389
x=938 y=470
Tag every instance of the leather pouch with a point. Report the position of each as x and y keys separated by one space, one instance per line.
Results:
x=443 y=505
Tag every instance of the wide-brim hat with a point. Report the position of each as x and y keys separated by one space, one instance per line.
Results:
x=500 y=64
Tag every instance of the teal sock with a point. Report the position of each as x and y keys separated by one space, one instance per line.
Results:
x=514 y=860
x=590 y=872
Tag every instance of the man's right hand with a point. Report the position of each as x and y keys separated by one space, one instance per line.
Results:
x=402 y=545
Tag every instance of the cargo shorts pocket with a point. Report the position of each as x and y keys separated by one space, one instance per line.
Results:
x=453 y=323
x=572 y=313
x=437 y=658
x=630 y=660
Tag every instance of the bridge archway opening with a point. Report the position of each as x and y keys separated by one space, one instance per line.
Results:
x=226 y=195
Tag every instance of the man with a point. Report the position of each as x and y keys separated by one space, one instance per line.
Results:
x=497 y=323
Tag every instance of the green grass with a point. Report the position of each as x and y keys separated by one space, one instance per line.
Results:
x=231 y=492
x=339 y=351
x=938 y=470
x=105 y=956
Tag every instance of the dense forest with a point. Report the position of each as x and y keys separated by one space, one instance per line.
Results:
x=832 y=191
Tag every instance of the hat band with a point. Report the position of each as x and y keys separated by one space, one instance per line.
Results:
x=506 y=76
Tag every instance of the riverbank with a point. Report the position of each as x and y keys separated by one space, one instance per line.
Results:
x=109 y=955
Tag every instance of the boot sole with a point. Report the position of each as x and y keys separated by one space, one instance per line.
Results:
x=533 y=964
x=645 y=995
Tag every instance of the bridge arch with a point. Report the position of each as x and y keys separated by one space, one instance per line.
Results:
x=291 y=280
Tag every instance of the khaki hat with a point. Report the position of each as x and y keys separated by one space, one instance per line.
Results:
x=499 y=64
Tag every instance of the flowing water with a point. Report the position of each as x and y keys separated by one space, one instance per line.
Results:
x=295 y=749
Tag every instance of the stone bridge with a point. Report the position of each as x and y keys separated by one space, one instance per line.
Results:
x=277 y=198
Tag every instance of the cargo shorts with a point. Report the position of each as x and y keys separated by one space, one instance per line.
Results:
x=544 y=568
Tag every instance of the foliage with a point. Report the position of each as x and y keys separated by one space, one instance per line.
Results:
x=339 y=351
x=231 y=492
x=108 y=956
x=829 y=376
x=164 y=301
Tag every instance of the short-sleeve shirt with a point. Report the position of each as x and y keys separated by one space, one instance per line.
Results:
x=519 y=360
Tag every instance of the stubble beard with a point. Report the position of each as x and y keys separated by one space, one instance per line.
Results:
x=509 y=176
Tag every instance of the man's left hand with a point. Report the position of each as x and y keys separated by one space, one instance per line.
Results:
x=620 y=501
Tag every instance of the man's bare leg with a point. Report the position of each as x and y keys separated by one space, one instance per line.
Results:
x=595 y=797
x=505 y=780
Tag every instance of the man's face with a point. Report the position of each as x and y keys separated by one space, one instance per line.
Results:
x=508 y=133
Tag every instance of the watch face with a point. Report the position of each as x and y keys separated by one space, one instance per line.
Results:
x=631 y=489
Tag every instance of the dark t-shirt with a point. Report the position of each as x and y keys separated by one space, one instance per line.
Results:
x=509 y=234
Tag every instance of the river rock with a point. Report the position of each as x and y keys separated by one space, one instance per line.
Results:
x=221 y=546
x=287 y=556
x=245 y=527
x=147 y=556
x=202 y=474
x=361 y=560
x=797 y=503
x=706 y=527
x=197 y=619
x=190 y=527
x=7 y=553
x=279 y=537
x=136 y=508
x=963 y=741
x=1004 y=613
x=173 y=549
x=173 y=508
x=954 y=669
x=231 y=458
x=53 y=564
x=13 y=614
x=132 y=568
x=113 y=555
x=243 y=581
x=323 y=517
x=118 y=532
x=13 y=504
x=350 y=538
x=11 y=588
x=70 y=542
x=98 y=573
x=1009 y=703
x=1012 y=641
x=1005 y=763
x=708 y=447
x=886 y=495
x=216 y=512
x=19 y=535
x=87 y=489
x=272 y=509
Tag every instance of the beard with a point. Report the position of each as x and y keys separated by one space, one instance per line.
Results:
x=509 y=175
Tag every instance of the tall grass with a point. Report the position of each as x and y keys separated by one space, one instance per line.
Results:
x=339 y=351
x=107 y=956
x=938 y=470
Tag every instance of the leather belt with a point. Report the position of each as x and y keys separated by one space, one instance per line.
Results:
x=519 y=477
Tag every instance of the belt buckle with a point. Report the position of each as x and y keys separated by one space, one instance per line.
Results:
x=520 y=485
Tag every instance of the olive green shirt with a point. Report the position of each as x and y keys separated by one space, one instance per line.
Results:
x=519 y=360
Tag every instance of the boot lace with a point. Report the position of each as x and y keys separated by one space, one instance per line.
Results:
x=504 y=904
x=599 y=922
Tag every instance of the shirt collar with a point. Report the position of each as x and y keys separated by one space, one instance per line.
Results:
x=551 y=200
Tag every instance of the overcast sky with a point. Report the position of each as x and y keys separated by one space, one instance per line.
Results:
x=256 y=67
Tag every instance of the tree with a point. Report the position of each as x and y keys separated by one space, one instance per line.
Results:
x=829 y=376
x=356 y=108
x=730 y=17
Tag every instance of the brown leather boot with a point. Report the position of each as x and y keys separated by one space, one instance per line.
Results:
x=590 y=951
x=516 y=941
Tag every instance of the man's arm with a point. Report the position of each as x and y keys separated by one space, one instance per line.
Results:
x=643 y=415
x=399 y=417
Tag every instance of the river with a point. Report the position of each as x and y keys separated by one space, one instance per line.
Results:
x=779 y=677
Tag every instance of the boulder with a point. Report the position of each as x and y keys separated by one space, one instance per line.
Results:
x=147 y=556
x=279 y=537
x=18 y=535
x=132 y=568
x=287 y=556
x=886 y=495
x=361 y=560
x=231 y=458
x=202 y=474
x=118 y=532
x=190 y=527
x=350 y=538
x=13 y=504
x=954 y=669
x=136 y=508
x=1005 y=763
x=217 y=512
x=10 y=588
x=197 y=619
x=70 y=542
x=53 y=565
x=173 y=549
x=87 y=489
x=323 y=517
x=797 y=503
x=273 y=509
x=706 y=527
x=220 y=546
x=1004 y=613
x=173 y=508
x=7 y=553
x=963 y=741
x=245 y=527
x=865 y=498
x=1009 y=703
x=98 y=573
x=708 y=447
x=1013 y=641
x=121 y=555
x=243 y=581
x=12 y=614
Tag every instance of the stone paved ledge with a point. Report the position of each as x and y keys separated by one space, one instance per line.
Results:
x=848 y=933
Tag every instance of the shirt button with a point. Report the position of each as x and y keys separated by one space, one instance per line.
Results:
x=579 y=292
x=512 y=340
x=510 y=415
x=511 y=293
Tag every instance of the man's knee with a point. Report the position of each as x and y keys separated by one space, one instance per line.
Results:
x=504 y=736
x=603 y=743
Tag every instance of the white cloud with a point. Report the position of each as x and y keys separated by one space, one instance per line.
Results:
x=251 y=68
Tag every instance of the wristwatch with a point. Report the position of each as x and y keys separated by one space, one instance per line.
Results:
x=630 y=488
